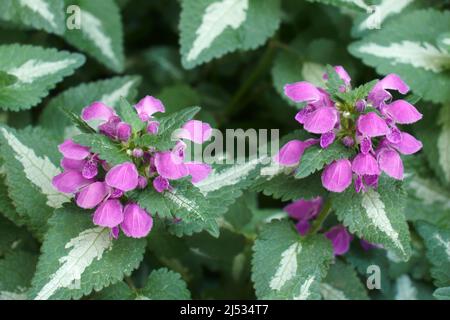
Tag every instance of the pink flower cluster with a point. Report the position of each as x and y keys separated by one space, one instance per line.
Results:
x=369 y=126
x=100 y=186
x=305 y=211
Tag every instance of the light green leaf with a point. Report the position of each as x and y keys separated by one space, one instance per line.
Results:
x=212 y=28
x=288 y=266
x=342 y=283
x=437 y=243
x=442 y=293
x=45 y=15
x=100 y=33
x=30 y=156
x=7 y=79
x=78 y=257
x=129 y=115
x=75 y=99
x=412 y=53
x=315 y=158
x=358 y=5
x=163 y=284
x=443 y=141
x=376 y=215
x=37 y=70
x=117 y=291
x=16 y=271
x=107 y=149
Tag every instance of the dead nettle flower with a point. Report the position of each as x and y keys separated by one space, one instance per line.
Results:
x=305 y=211
x=369 y=126
x=100 y=186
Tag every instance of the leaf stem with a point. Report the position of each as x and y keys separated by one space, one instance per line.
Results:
x=326 y=210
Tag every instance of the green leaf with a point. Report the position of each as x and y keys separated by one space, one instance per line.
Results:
x=16 y=271
x=78 y=257
x=100 y=34
x=117 y=291
x=376 y=215
x=169 y=123
x=437 y=243
x=11 y=236
x=6 y=204
x=412 y=53
x=357 y=5
x=342 y=283
x=129 y=115
x=288 y=266
x=315 y=158
x=358 y=93
x=75 y=99
x=334 y=82
x=45 y=15
x=79 y=123
x=37 y=70
x=107 y=149
x=442 y=293
x=443 y=141
x=30 y=157
x=163 y=284
x=7 y=79
x=211 y=28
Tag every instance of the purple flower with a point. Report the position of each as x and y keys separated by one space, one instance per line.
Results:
x=160 y=184
x=391 y=163
x=379 y=94
x=365 y=164
x=337 y=176
x=340 y=239
x=291 y=153
x=70 y=181
x=372 y=125
x=198 y=171
x=366 y=245
x=109 y=214
x=73 y=151
x=97 y=111
x=303 y=211
x=148 y=106
x=123 y=177
x=91 y=196
x=196 y=131
x=327 y=139
x=137 y=223
x=402 y=112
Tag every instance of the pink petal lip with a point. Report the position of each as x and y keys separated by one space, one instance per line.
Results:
x=97 y=111
x=196 y=131
x=391 y=163
x=403 y=112
x=408 y=144
x=302 y=92
x=109 y=214
x=304 y=209
x=321 y=120
x=148 y=106
x=70 y=181
x=73 y=151
x=365 y=164
x=371 y=125
x=124 y=177
x=90 y=196
x=337 y=176
x=198 y=171
x=340 y=239
x=291 y=153
x=137 y=223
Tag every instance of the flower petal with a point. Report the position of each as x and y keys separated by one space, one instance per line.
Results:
x=302 y=92
x=123 y=131
x=89 y=197
x=70 y=181
x=170 y=165
x=71 y=150
x=365 y=164
x=160 y=184
x=321 y=120
x=391 y=163
x=291 y=153
x=123 y=177
x=402 y=112
x=71 y=164
x=371 y=125
x=340 y=239
x=137 y=223
x=198 y=171
x=196 y=131
x=337 y=176
x=302 y=227
x=326 y=139
x=304 y=209
x=97 y=111
x=109 y=214
x=147 y=106
x=408 y=144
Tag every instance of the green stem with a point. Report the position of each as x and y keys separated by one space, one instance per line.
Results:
x=326 y=210
x=262 y=66
x=130 y=284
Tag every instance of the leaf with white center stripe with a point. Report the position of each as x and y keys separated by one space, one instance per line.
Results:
x=45 y=15
x=100 y=33
x=288 y=266
x=212 y=28
x=357 y=5
x=381 y=10
x=376 y=215
x=75 y=99
x=437 y=243
x=443 y=142
x=16 y=271
x=78 y=257
x=342 y=283
x=30 y=157
x=37 y=70
x=412 y=53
